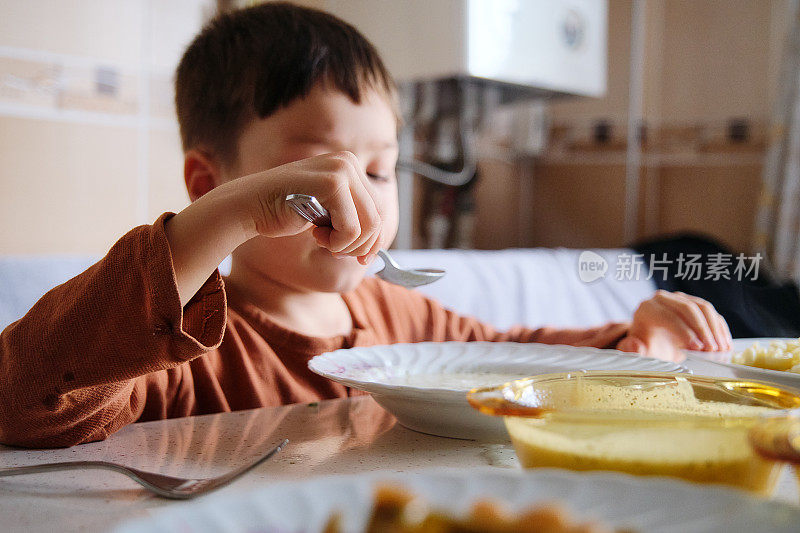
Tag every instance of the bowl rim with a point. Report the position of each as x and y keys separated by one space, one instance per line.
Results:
x=317 y=364
x=506 y=407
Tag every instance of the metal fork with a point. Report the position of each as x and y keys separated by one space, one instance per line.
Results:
x=174 y=488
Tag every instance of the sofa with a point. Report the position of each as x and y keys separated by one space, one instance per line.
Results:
x=530 y=287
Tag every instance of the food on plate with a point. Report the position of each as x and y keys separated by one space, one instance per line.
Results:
x=779 y=355
x=398 y=510
x=656 y=424
x=707 y=453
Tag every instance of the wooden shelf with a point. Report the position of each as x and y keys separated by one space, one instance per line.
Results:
x=690 y=159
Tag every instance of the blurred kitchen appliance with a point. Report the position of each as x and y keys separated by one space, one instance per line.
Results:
x=527 y=48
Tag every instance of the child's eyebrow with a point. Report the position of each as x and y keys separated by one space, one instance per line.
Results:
x=376 y=146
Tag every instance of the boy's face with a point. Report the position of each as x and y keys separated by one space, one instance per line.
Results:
x=324 y=121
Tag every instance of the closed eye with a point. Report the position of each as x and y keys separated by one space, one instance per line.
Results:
x=377 y=177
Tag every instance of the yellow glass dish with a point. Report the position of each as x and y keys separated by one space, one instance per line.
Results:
x=702 y=429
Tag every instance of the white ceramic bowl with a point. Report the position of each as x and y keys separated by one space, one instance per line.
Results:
x=424 y=385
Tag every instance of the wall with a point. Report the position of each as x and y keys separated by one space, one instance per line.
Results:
x=82 y=167
x=705 y=63
x=87 y=134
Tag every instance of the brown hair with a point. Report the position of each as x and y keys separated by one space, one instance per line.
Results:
x=251 y=62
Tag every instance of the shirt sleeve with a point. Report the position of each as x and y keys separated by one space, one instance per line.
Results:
x=73 y=368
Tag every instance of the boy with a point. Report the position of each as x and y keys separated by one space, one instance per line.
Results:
x=272 y=100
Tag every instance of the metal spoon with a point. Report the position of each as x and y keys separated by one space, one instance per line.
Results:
x=310 y=209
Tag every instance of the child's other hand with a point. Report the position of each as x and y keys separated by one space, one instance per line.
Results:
x=339 y=183
x=671 y=321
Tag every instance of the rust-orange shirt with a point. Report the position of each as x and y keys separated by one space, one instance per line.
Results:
x=113 y=346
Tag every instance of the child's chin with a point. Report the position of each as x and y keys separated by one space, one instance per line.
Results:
x=343 y=276
x=340 y=285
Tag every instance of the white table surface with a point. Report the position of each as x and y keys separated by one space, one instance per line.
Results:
x=333 y=437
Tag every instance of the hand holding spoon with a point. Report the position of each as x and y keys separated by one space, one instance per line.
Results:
x=310 y=209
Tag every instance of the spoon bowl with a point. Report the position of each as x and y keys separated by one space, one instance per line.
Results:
x=407 y=277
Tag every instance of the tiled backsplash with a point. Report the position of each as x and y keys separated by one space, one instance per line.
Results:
x=88 y=134
x=39 y=83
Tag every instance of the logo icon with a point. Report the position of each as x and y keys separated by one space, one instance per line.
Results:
x=573 y=29
x=591 y=266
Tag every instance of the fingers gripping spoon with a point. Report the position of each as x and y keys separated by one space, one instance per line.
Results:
x=310 y=209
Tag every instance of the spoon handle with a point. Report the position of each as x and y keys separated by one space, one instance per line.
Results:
x=387 y=259
x=310 y=209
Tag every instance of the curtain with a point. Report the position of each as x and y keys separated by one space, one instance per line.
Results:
x=777 y=232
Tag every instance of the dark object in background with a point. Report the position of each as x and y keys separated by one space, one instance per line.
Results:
x=753 y=308
x=642 y=132
x=601 y=132
x=738 y=130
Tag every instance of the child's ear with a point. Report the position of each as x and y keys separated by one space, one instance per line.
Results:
x=200 y=172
